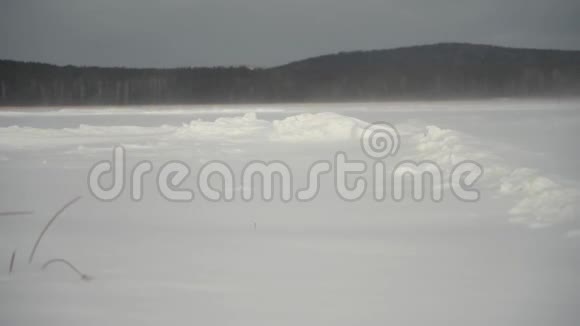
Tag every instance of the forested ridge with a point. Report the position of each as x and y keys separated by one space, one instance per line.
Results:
x=450 y=70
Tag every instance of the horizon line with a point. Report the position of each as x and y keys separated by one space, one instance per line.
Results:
x=252 y=67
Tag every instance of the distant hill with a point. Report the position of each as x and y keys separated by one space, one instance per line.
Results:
x=448 y=70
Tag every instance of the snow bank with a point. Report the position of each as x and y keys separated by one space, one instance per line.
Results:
x=537 y=199
x=320 y=127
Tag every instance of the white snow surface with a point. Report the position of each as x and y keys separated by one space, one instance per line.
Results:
x=509 y=259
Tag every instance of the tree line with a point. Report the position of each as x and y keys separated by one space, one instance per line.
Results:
x=449 y=70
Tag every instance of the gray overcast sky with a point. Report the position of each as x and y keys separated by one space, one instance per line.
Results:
x=153 y=33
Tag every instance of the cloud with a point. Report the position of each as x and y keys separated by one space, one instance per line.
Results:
x=147 y=33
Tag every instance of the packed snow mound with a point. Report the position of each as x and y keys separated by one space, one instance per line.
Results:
x=319 y=127
x=245 y=128
x=538 y=200
x=303 y=128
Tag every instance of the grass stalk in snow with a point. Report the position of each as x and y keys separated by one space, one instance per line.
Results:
x=48 y=225
x=83 y=276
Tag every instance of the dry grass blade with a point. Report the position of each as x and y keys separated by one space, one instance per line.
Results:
x=48 y=225
x=83 y=276
x=11 y=268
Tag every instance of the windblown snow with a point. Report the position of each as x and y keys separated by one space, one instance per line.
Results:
x=537 y=199
x=509 y=259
